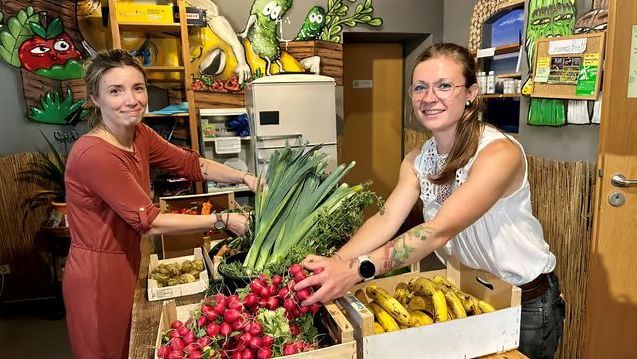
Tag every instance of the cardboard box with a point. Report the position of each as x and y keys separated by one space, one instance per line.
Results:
x=160 y=293
x=469 y=337
x=339 y=329
x=144 y=13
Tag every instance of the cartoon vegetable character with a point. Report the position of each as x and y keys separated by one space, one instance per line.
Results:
x=261 y=29
x=313 y=25
x=49 y=47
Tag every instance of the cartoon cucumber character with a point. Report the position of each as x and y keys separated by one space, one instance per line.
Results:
x=50 y=52
x=261 y=29
x=313 y=25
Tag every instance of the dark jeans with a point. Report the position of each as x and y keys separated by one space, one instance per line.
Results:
x=542 y=323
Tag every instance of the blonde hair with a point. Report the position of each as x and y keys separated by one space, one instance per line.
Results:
x=97 y=66
x=469 y=127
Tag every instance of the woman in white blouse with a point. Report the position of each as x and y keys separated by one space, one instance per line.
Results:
x=472 y=180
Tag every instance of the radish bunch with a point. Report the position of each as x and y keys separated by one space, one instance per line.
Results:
x=263 y=320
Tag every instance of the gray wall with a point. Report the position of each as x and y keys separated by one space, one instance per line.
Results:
x=457 y=21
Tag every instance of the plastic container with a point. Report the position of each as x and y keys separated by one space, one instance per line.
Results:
x=491 y=82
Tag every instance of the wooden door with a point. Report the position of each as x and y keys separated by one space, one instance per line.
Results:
x=373 y=101
x=611 y=311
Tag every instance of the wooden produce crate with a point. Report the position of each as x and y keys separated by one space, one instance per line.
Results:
x=469 y=337
x=339 y=329
x=331 y=54
x=160 y=293
x=182 y=244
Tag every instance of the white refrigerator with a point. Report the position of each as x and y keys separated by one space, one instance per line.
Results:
x=293 y=109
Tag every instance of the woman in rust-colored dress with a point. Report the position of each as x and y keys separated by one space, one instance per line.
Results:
x=108 y=186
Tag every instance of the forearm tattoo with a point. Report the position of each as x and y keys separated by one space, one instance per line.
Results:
x=398 y=252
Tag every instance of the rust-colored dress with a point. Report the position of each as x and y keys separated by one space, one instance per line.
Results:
x=107 y=191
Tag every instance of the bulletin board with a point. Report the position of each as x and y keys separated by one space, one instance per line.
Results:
x=569 y=67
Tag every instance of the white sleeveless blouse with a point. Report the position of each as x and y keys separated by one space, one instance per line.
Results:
x=507 y=240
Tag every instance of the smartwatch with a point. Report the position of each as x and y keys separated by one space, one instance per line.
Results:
x=366 y=268
x=219 y=224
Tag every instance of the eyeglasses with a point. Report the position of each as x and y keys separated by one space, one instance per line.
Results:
x=443 y=90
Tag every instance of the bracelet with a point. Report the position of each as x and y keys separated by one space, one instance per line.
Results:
x=243 y=178
x=339 y=257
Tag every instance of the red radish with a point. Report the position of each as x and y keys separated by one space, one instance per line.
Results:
x=264 y=353
x=318 y=270
x=236 y=355
x=265 y=292
x=277 y=280
x=289 y=349
x=175 y=355
x=212 y=329
x=283 y=292
x=211 y=316
x=262 y=277
x=263 y=303
x=239 y=324
x=225 y=329
x=204 y=341
x=219 y=309
x=296 y=269
x=189 y=337
x=195 y=355
x=176 y=324
x=231 y=315
x=294 y=329
x=303 y=294
x=206 y=308
x=201 y=321
x=247 y=354
x=314 y=307
x=256 y=342
x=267 y=341
x=256 y=286
x=233 y=297
x=192 y=347
x=183 y=331
x=289 y=304
x=256 y=328
x=299 y=277
x=304 y=309
x=235 y=305
x=272 y=303
x=163 y=351
x=273 y=289
x=177 y=344
x=174 y=333
x=245 y=338
x=251 y=300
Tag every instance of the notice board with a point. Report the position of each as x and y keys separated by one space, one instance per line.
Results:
x=569 y=67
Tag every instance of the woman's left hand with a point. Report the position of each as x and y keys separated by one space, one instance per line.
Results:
x=251 y=181
x=336 y=278
x=237 y=223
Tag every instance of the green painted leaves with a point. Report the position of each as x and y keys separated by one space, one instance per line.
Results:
x=337 y=17
x=17 y=31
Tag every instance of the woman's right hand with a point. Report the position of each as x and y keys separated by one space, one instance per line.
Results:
x=237 y=223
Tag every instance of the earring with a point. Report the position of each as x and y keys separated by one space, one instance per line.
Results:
x=467 y=104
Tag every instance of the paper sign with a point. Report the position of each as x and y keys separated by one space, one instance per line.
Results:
x=632 y=69
x=563 y=47
x=486 y=52
x=587 y=78
x=542 y=70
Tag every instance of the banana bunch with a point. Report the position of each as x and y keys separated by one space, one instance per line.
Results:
x=390 y=314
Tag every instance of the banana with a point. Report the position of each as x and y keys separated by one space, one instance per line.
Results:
x=402 y=295
x=427 y=288
x=485 y=307
x=456 y=309
x=420 y=318
x=383 y=318
x=421 y=303
x=469 y=302
x=444 y=282
x=378 y=328
x=389 y=303
x=422 y=286
x=435 y=305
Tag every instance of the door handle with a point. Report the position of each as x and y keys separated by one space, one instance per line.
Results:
x=621 y=181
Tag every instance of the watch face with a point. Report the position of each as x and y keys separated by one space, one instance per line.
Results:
x=219 y=225
x=367 y=269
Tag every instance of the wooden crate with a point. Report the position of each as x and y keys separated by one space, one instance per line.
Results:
x=182 y=244
x=161 y=293
x=339 y=329
x=469 y=337
x=331 y=54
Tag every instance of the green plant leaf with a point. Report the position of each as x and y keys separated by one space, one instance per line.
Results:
x=367 y=4
x=365 y=18
x=350 y=23
x=359 y=7
x=54 y=29
x=71 y=70
x=18 y=30
x=375 y=22
x=38 y=30
x=338 y=29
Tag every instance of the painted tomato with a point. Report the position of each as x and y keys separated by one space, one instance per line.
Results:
x=38 y=53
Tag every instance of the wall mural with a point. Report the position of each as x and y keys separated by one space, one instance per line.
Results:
x=546 y=18
x=38 y=43
x=48 y=40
